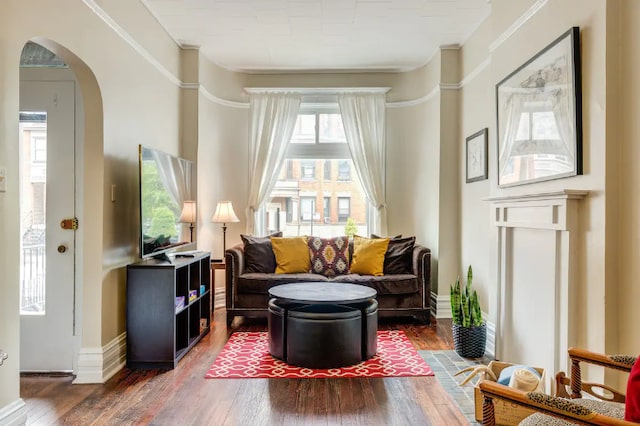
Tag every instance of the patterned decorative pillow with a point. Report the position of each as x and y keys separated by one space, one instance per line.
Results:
x=329 y=256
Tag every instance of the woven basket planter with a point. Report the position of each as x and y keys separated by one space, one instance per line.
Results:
x=470 y=341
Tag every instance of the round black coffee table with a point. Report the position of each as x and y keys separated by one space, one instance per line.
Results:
x=321 y=324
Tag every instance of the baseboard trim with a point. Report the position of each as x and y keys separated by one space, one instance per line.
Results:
x=443 y=306
x=490 y=349
x=14 y=414
x=219 y=298
x=97 y=365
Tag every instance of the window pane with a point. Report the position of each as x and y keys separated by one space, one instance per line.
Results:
x=331 y=130
x=308 y=169
x=344 y=208
x=307 y=208
x=344 y=170
x=289 y=168
x=327 y=170
x=305 y=129
x=33 y=194
x=326 y=210
x=317 y=206
x=544 y=126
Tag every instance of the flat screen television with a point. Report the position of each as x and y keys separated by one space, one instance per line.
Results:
x=166 y=182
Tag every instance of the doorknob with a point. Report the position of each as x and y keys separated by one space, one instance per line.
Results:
x=62 y=248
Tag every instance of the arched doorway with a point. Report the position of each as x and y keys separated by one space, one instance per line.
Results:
x=68 y=137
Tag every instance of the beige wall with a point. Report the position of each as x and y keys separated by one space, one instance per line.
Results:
x=606 y=249
x=628 y=315
x=413 y=148
x=140 y=104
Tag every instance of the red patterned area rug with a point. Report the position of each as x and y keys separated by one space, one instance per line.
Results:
x=246 y=355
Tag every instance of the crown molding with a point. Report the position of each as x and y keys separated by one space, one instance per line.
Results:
x=318 y=90
x=224 y=102
x=414 y=102
x=513 y=28
x=123 y=34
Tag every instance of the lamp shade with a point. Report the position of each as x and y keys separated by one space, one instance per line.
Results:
x=224 y=213
x=188 y=214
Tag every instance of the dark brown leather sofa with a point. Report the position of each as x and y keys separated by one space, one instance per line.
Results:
x=398 y=295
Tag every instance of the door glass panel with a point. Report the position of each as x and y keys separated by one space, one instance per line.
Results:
x=33 y=196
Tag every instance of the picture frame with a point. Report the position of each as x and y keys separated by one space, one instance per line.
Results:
x=539 y=115
x=476 y=153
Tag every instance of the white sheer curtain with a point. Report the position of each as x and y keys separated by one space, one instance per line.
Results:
x=512 y=111
x=363 y=117
x=272 y=119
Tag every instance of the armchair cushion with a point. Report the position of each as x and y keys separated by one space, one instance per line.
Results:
x=578 y=406
x=632 y=400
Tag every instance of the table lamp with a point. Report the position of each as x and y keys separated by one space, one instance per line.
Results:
x=224 y=214
x=188 y=215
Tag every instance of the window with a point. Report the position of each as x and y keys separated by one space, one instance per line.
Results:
x=537 y=125
x=317 y=174
x=308 y=169
x=307 y=208
x=39 y=147
x=326 y=209
x=344 y=170
x=344 y=208
x=288 y=206
x=327 y=170
x=289 y=166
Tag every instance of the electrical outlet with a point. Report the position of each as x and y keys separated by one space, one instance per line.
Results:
x=3 y=179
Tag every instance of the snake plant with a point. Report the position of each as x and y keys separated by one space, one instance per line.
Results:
x=465 y=308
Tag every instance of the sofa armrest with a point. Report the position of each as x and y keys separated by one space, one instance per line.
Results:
x=421 y=264
x=234 y=267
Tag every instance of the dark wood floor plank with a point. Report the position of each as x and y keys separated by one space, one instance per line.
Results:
x=182 y=396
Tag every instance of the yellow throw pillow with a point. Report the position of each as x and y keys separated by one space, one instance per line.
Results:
x=292 y=254
x=368 y=255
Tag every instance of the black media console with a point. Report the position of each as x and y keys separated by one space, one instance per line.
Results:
x=168 y=309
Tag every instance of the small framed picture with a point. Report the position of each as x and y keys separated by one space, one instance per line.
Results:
x=477 y=163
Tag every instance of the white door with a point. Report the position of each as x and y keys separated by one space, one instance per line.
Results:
x=47 y=146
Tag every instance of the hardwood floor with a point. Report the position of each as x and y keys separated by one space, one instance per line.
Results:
x=183 y=397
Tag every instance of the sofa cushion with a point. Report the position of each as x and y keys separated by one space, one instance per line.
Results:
x=386 y=284
x=292 y=254
x=368 y=255
x=258 y=253
x=261 y=283
x=398 y=258
x=329 y=256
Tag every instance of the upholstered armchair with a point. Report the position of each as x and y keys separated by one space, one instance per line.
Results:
x=571 y=405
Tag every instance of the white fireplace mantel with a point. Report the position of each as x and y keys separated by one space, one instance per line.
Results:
x=536 y=272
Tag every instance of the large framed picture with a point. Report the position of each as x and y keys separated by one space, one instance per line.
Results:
x=477 y=162
x=539 y=111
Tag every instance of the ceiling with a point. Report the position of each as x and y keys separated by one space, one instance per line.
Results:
x=319 y=35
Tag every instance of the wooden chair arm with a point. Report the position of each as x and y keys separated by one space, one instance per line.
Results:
x=577 y=355
x=553 y=406
x=617 y=362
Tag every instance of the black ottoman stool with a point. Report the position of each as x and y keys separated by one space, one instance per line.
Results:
x=324 y=336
